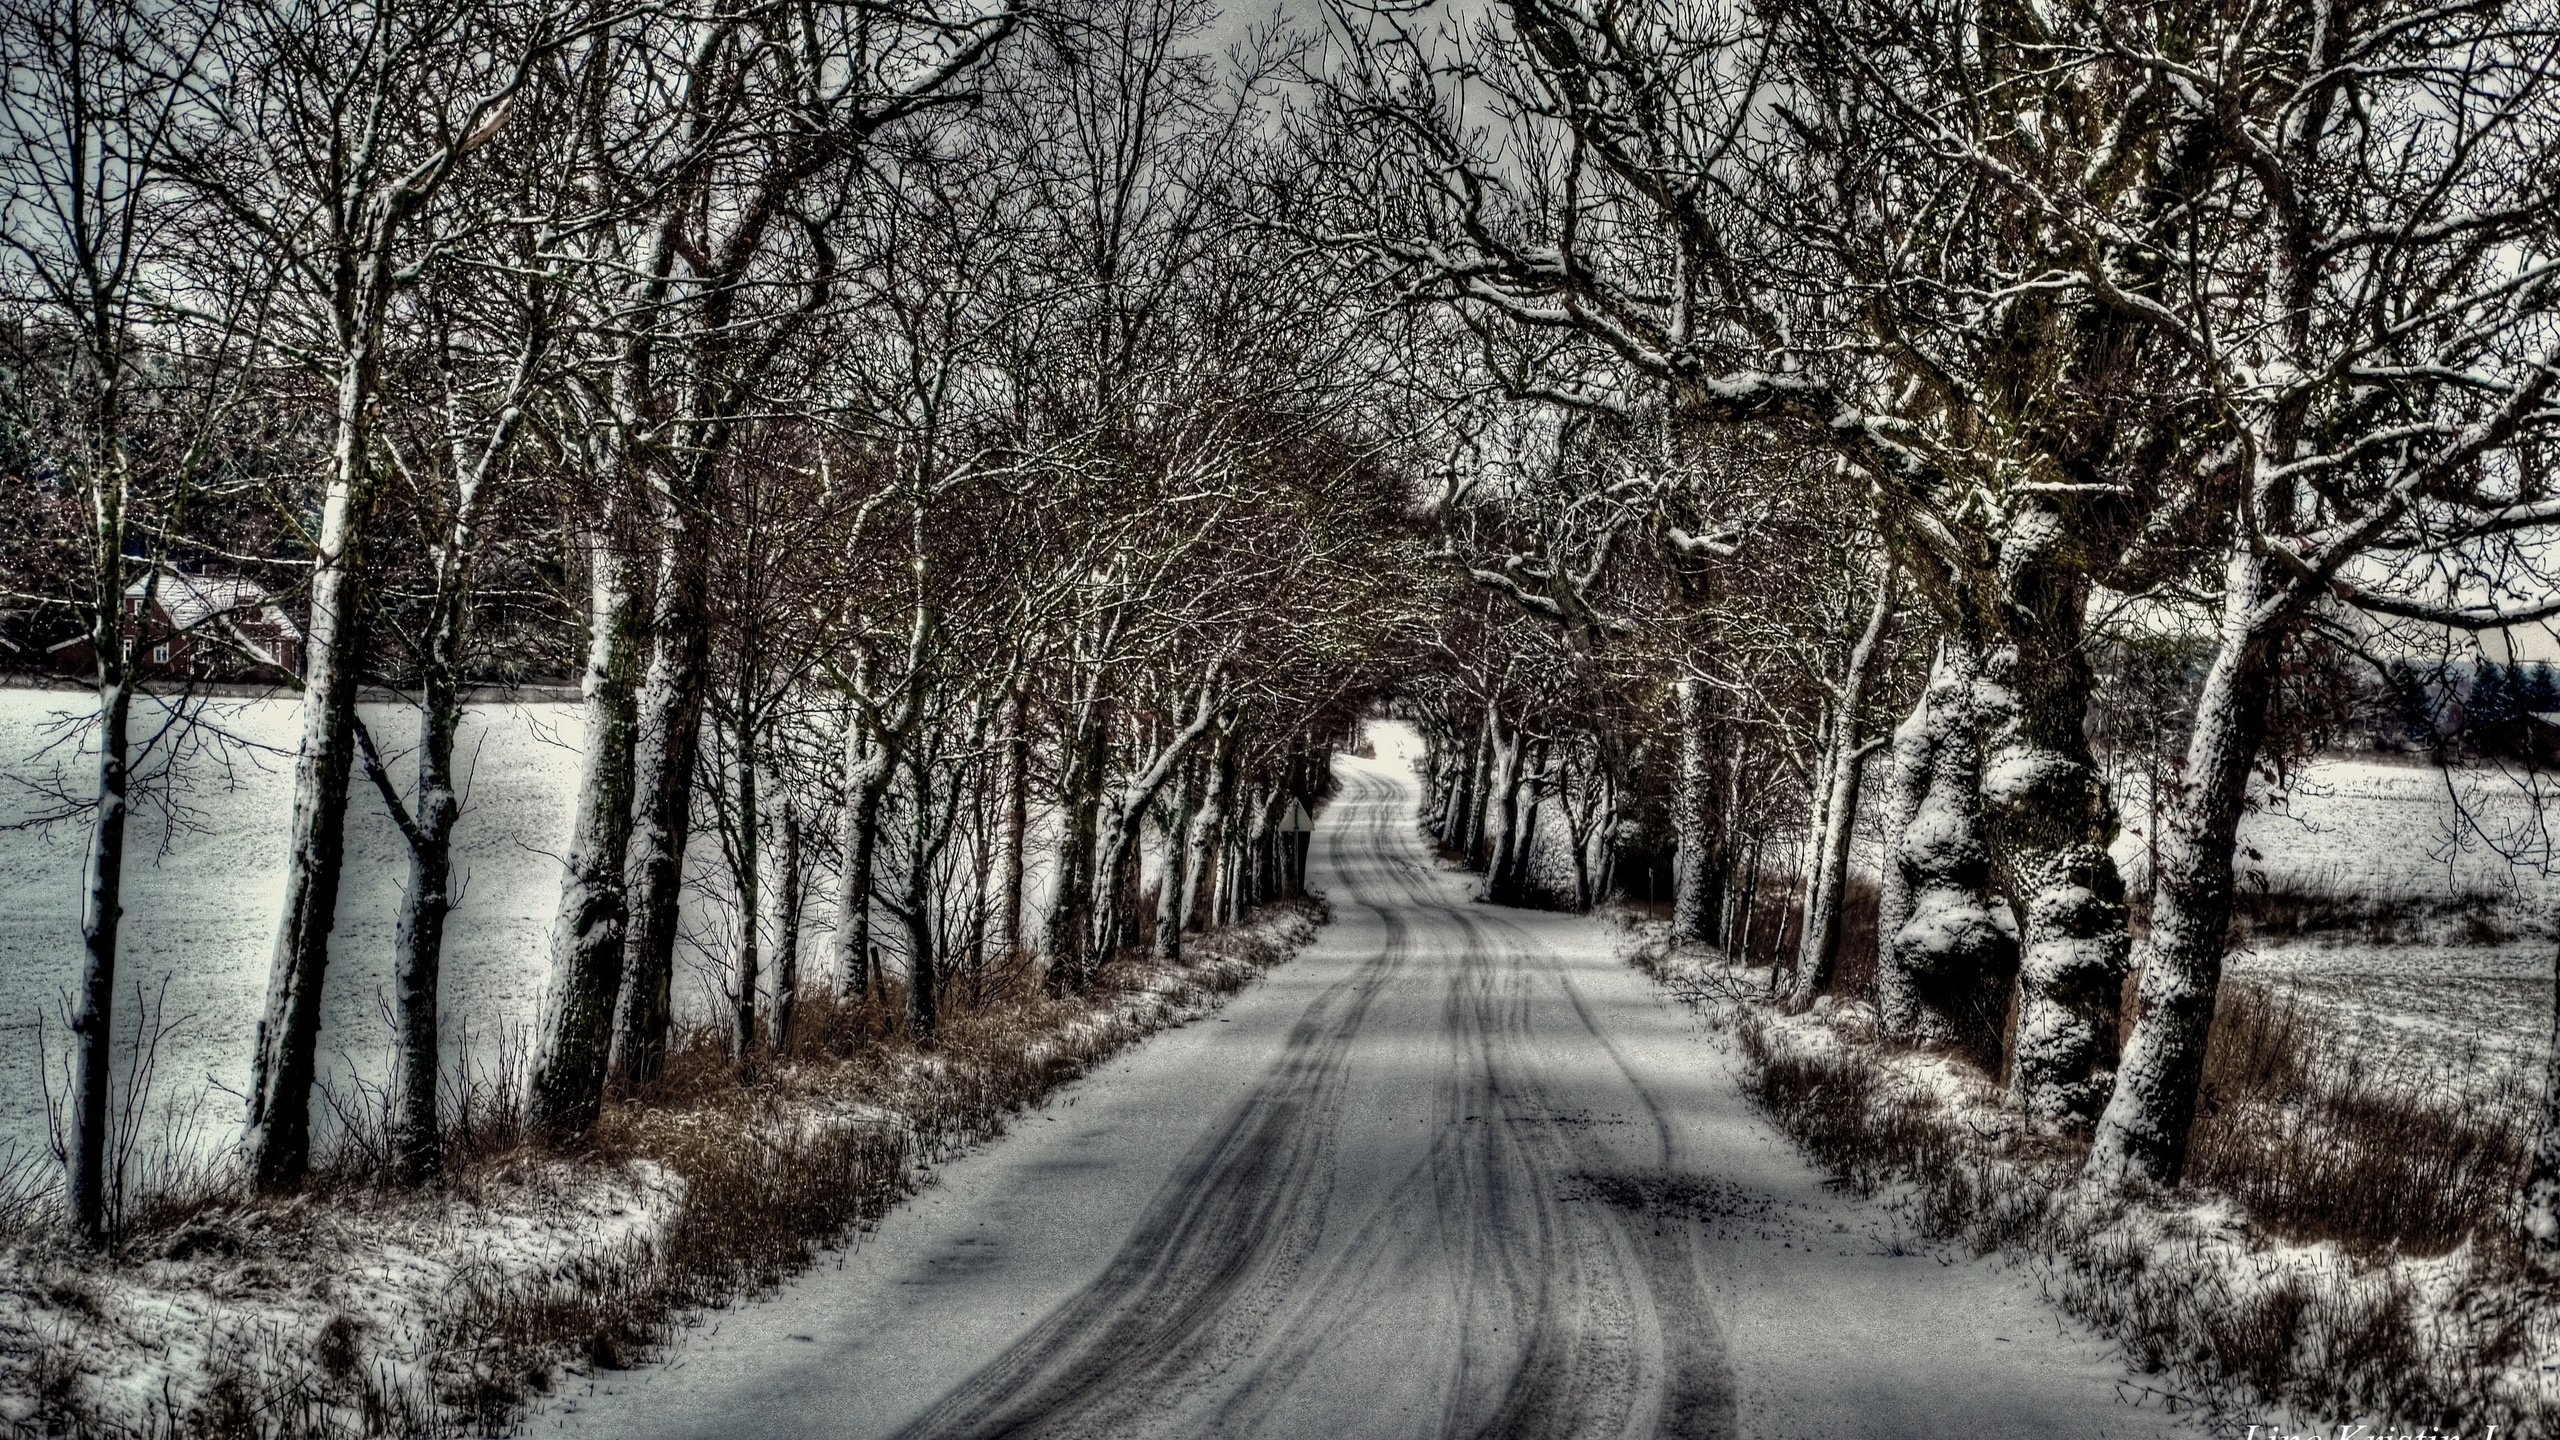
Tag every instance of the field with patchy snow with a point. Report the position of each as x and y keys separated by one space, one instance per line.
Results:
x=2457 y=965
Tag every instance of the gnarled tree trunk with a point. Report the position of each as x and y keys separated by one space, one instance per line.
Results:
x=1944 y=973
x=2046 y=812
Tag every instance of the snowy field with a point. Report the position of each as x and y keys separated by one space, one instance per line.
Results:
x=202 y=896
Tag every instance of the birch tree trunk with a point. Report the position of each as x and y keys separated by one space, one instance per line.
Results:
x=786 y=926
x=587 y=934
x=278 y=1139
x=102 y=883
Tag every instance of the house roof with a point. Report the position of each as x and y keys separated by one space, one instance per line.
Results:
x=204 y=601
x=194 y=600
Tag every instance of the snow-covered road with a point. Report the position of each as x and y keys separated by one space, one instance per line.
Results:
x=1456 y=1171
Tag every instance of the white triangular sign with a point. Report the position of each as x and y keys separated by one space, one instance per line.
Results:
x=1297 y=822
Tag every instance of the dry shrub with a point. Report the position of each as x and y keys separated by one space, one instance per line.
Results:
x=2322 y=1143
x=1777 y=928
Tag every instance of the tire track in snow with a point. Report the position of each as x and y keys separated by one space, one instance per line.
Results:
x=1577 y=1317
x=1239 y=1214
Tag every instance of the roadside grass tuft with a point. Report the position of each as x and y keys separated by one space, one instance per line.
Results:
x=2380 y=1155
x=2342 y=1245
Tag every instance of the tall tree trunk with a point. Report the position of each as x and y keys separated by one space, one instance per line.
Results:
x=669 y=739
x=1836 y=821
x=750 y=900
x=587 y=934
x=786 y=926
x=1914 y=757
x=1017 y=820
x=1504 y=826
x=2143 y=1132
x=1944 y=977
x=1071 y=909
x=278 y=1140
x=867 y=766
x=1173 y=891
x=1473 y=821
x=1202 y=873
x=924 y=1009
x=418 y=937
x=1118 y=859
x=102 y=888
x=1462 y=793
x=1524 y=854
x=1698 y=874
x=2046 y=812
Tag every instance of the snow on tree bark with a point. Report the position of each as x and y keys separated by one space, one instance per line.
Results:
x=278 y=1139
x=1835 y=819
x=576 y=1027
x=668 y=737
x=1697 y=874
x=2047 y=815
x=2142 y=1133
x=101 y=913
x=1071 y=908
x=786 y=925
x=867 y=773
x=1943 y=977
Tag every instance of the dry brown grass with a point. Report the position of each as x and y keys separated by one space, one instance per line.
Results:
x=2381 y=1156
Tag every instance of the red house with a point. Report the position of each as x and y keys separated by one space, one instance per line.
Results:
x=207 y=627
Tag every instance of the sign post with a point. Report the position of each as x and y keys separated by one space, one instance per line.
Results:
x=1297 y=829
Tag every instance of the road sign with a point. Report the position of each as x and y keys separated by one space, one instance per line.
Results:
x=1297 y=821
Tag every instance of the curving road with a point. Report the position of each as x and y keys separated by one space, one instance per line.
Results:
x=1455 y=1172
